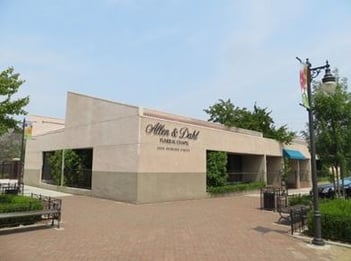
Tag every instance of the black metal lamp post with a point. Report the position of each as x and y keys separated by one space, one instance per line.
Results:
x=20 y=176
x=328 y=86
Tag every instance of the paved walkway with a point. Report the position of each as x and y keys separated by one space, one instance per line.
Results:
x=45 y=192
x=231 y=228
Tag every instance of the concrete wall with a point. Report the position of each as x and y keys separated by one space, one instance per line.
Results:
x=305 y=175
x=171 y=166
x=120 y=186
x=45 y=124
x=111 y=129
x=274 y=168
x=163 y=186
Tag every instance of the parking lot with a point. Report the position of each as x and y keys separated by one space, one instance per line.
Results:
x=228 y=228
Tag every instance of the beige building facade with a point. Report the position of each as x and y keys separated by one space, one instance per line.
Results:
x=141 y=155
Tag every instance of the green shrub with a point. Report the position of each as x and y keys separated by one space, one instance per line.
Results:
x=216 y=168
x=16 y=203
x=235 y=188
x=300 y=200
x=335 y=220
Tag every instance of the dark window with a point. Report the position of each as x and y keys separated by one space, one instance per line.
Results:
x=77 y=165
x=46 y=176
x=234 y=168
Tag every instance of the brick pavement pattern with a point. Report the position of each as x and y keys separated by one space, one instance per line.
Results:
x=228 y=228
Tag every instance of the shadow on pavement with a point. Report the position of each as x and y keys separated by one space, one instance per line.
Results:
x=265 y=230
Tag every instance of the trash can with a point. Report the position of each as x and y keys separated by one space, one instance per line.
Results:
x=269 y=200
x=269 y=196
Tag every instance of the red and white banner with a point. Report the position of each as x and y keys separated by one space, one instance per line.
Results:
x=303 y=85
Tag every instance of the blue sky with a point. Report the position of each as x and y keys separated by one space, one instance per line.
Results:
x=177 y=56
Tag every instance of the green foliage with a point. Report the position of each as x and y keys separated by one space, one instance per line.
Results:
x=300 y=200
x=9 y=107
x=216 y=168
x=16 y=203
x=259 y=119
x=332 y=127
x=73 y=163
x=335 y=220
x=236 y=188
x=55 y=161
x=10 y=144
x=223 y=112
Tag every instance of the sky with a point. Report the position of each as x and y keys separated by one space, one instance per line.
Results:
x=176 y=56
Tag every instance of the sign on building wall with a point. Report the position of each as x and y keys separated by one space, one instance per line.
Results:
x=172 y=139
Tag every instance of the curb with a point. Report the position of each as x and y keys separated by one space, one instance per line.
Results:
x=327 y=242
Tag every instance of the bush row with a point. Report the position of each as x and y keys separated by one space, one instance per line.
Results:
x=335 y=220
x=235 y=187
x=300 y=200
x=15 y=203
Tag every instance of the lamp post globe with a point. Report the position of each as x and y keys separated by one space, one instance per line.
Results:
x=328 y=82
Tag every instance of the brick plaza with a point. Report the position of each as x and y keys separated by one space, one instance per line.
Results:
x=228 y=228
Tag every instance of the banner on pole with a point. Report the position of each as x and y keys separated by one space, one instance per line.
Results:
x=28 y=130
x=303 y=85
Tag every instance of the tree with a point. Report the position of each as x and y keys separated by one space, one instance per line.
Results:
x=10 y=107
x=259 y=119
x=10 y=144
x=332 y=126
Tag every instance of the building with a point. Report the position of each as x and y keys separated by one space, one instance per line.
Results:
x=140 y=155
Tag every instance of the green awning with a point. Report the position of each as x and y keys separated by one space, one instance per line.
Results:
x=293 y=154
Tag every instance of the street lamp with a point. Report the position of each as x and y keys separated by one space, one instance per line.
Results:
x=328 y=86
